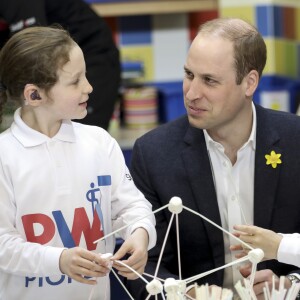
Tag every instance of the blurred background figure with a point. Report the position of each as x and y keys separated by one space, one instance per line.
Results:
x=90 y=32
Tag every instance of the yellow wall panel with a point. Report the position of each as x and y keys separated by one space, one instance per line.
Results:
x=270 y=67
x=280 y=57
x=142 y=54
x=246 y=13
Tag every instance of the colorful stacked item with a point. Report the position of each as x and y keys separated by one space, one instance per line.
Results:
x=140 y=107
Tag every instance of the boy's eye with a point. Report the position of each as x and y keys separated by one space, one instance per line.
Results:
x=76 y=81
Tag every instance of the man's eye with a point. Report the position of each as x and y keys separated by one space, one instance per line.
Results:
x=209 y=80
x=189 y=74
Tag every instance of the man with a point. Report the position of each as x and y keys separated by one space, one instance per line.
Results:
x=214 y=160
x=90 y=32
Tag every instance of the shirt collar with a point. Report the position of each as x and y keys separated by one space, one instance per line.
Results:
x=29 y=137
x=252 y=138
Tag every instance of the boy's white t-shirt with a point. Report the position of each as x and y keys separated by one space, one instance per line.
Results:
x=57 y=193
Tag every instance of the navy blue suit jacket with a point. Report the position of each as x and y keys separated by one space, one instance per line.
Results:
x=172 y=160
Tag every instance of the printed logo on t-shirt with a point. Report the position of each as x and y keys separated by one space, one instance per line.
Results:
x=128 y=176
x=41 y=228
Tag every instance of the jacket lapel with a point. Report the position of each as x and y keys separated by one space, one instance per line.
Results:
x=266 y=177
x=198 y=167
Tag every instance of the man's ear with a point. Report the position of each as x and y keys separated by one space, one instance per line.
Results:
x=32 y=94
x=252 y=80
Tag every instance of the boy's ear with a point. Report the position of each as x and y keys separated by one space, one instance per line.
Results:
x=252 y=80
x=32 y=94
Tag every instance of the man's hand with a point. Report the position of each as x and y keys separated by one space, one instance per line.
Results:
x=260 y=278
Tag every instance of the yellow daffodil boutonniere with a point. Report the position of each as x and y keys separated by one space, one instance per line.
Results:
x=273 y=159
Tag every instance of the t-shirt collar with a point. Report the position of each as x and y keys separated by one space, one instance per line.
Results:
x=29 y=137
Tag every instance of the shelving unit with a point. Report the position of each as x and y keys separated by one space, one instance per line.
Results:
x=126 y=136
x=153 y=7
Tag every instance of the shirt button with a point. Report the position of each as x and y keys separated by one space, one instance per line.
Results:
x=233 y=198
x=224 y=163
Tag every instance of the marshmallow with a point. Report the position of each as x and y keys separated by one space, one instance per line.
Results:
x=174 y=286
x=175 y=205
x=256 y=255
x=106 y=255
x=154 y=287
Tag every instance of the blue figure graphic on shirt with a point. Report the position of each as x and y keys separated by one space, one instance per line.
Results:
x=104 y=180
x=96 y=204
x=91 y=196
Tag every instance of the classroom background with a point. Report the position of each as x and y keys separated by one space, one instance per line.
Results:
x=154 y=36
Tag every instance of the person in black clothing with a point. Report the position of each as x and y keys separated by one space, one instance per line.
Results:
x=90 y=32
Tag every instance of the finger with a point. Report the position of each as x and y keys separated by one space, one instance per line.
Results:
x=102 y=260
x=121 y=252
x=260 y=297
x=241 y=254
x=245 y=270
x=137 y=267
x=88 y=261
x=245 y=229
x=130 y=274
x=85 y=276
x=247 y=238
x=98 y=272
x=134 y=259
x=85 y=267
x=136 y=262
x=93 y=267
x=258 y=288
x=263 y=276
x=238 y=247
x=237 y=234
x=127 y=272
x=124 y=269
x=81 y=279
